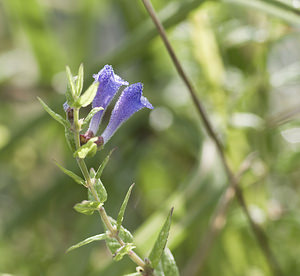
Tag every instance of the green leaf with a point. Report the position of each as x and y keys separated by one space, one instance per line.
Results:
x=87 y=241
x=74 y=176
x=161 y=241
x=158 y=271
x=79 y=82
x=90 y=115
x=70 y=139
x=122 y=251
x=168 y=263
x=124 y=234
x=54 y=115
x=103 y=164
x=87 y=207
x=88 y=95
x=123 y=207
x=71 y=81
x=69 y=96
x=101 y=191
x=89 y=149
x=133 y=274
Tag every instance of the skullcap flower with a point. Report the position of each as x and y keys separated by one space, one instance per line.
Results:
x=109 y=84
x=130 y=101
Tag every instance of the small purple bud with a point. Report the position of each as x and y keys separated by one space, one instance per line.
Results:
x=109 y=84
x=66 y=106
x=69 y=111
x=130 y=101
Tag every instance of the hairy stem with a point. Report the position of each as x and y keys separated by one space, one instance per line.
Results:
x=90 y=185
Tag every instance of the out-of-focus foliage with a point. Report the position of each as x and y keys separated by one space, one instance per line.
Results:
x=244 y=59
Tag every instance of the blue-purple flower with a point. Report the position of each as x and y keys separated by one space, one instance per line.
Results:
x=109 y=84
x=130 y=101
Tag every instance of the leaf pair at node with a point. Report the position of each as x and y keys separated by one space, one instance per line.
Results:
x=75 y=85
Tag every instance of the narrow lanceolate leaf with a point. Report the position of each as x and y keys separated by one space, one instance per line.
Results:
x=71 y=81
x=88 y=149
x=101 y=191
x=69 y=96
x=70 y=139
x=54 y=115
x=103 y=164
x=74 y=176
x=161 y=241
x=87 y=207
x=88 y=95
x=87 y=241
x=79 y=82
x=122 y=209
x=90 y=115
x=168 y=263
x=122 y=251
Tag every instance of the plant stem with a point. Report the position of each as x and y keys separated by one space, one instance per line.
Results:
x=90 y=185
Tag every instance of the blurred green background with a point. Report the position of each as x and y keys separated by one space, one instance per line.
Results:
x=243 y=57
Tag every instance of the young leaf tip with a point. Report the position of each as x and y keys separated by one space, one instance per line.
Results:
x=171 y=212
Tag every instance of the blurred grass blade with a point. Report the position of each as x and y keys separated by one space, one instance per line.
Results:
x=168 y=263
x=88 y=95
x=79 y=82
x=103 y=164
x=30 y=18
x=54 y=115
x=87 y=207
x=123 y=208
x=275 y=8
x=161 y=242
x=87 y=241
x=139 y=39
x=74 y=176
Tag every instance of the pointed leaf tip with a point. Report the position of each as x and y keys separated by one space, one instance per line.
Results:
x=123 y=208
x=87 y=97
x=87 y=241
x=71 y=81
x=171 y=212
x=90 y=115
x=79 y=82
x=104 y=163
x=54 y=115
x=161 y=242
x=74 y=176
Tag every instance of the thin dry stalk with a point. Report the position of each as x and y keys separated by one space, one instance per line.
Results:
x=258 y=232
